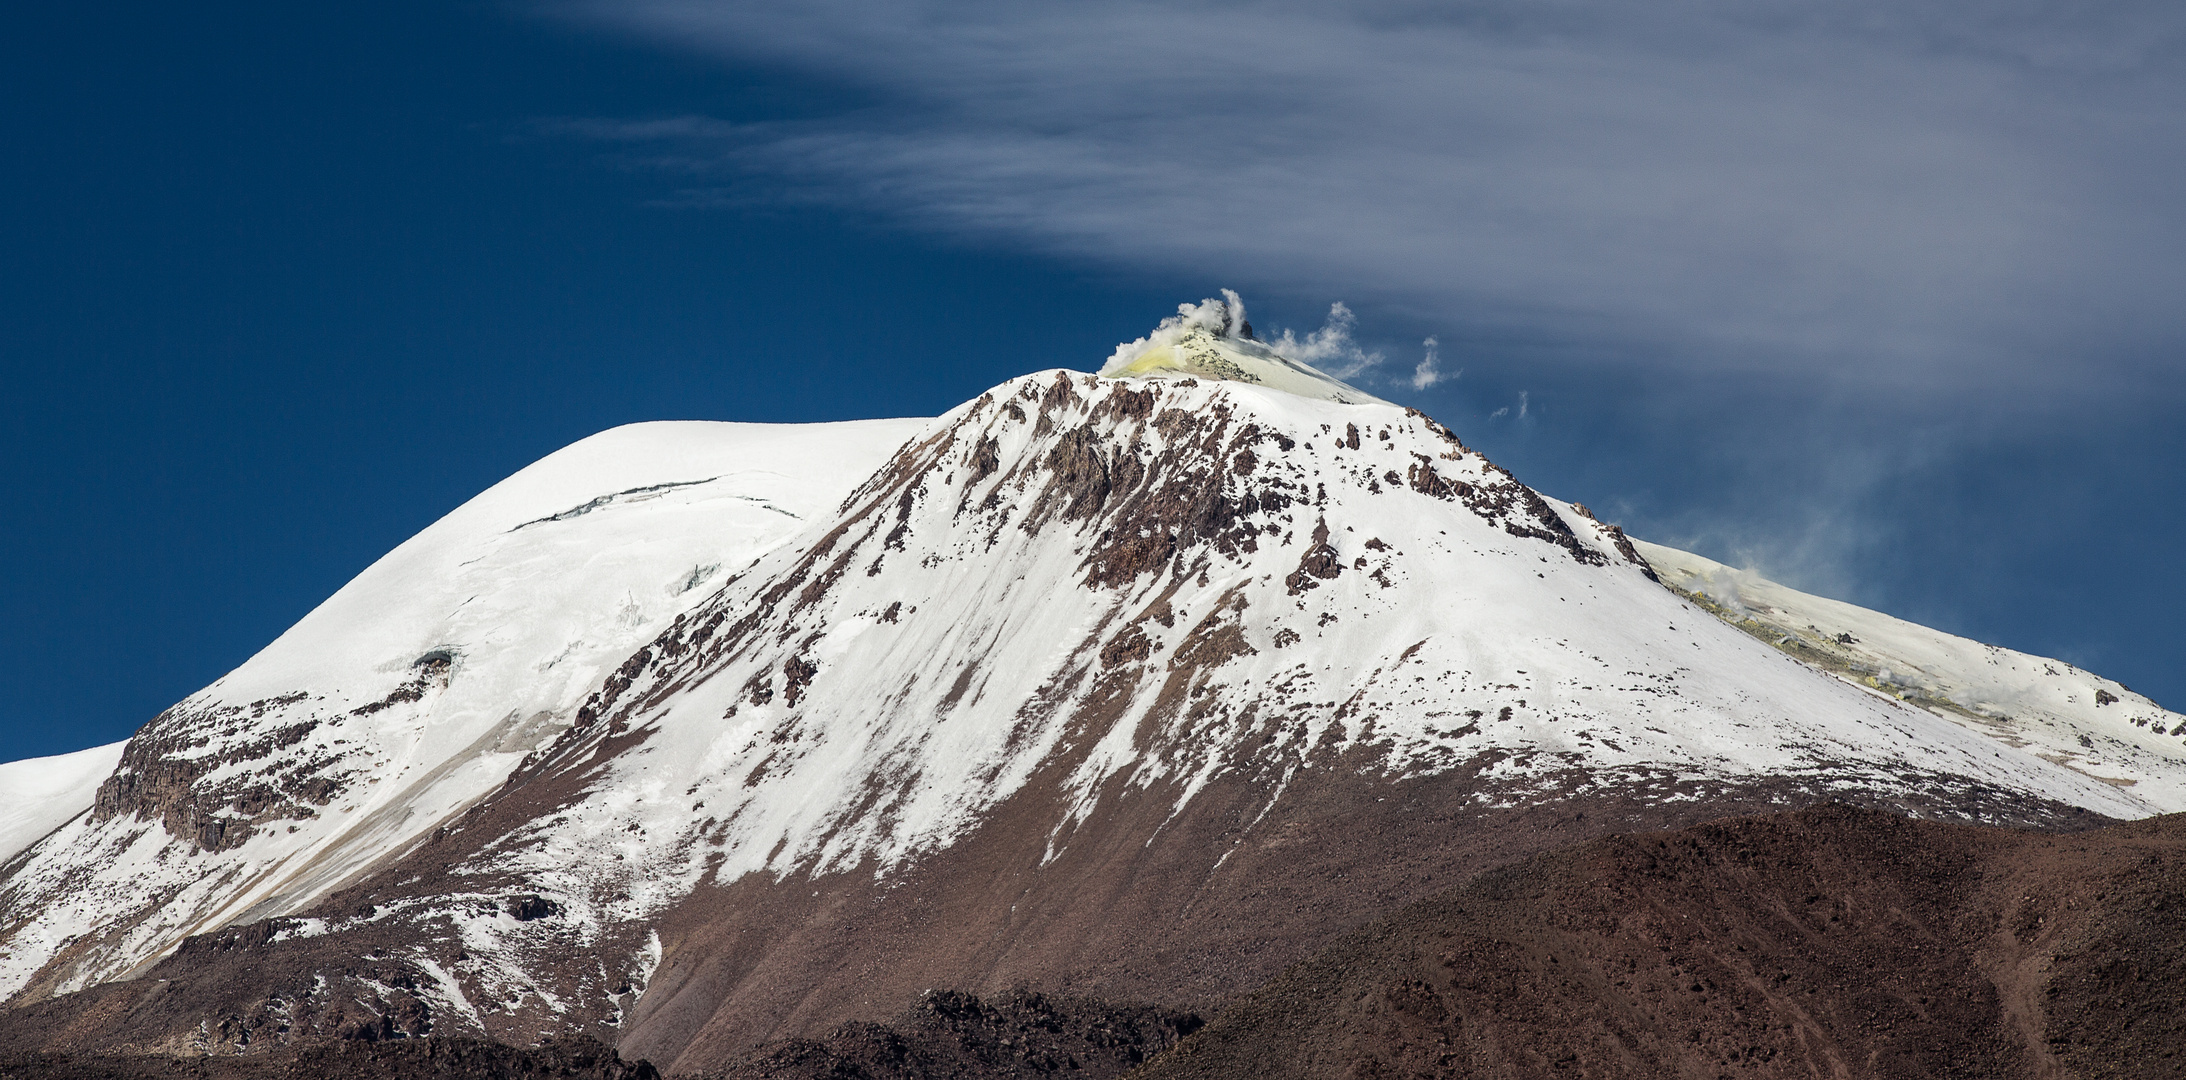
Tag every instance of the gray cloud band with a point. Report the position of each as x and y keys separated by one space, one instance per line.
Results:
x=1938 y=196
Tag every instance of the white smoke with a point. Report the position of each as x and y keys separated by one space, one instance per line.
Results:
x=1330 y=348
x=1233 y=323
x=1429 y=371
x=1721 y=586
x=1222 y=318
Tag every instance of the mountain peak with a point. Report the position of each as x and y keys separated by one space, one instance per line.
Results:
x=1213 y=340
x=697 y=736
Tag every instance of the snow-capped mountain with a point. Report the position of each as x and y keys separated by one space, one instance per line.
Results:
x=410 y=693
x=691 y=735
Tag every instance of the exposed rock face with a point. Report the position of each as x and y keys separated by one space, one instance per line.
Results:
x=1133 y=690
x=215 y=801
x=1830 y=942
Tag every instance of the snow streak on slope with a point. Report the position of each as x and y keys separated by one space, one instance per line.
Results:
x=414 y=690
x=38 y=795
x=1103 y=587
x=2072 y=717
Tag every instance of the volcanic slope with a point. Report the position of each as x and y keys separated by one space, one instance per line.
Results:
x=1127 y=633
x=404 y=698
x=1135 y=689
x=1826 y=942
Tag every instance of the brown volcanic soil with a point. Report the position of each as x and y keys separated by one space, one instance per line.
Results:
x=1186 y=912
x=1830 y=942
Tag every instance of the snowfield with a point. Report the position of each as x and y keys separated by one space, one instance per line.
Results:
x=39 y=795
x=2065 y=715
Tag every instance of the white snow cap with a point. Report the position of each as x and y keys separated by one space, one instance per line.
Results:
x=1212 y=340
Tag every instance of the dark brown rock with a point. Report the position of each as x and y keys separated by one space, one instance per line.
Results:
x=956 y=1035
x=1828 y=942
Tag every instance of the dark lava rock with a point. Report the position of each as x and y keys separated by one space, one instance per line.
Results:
x=958 y=1036
x=528 y=908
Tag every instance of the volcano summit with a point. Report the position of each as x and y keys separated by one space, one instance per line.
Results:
x=1139 y=686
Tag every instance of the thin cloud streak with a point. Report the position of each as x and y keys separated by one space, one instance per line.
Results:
x=1927 y=196
x=1429 y=371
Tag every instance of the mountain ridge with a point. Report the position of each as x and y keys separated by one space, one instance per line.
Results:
x=1142 y=688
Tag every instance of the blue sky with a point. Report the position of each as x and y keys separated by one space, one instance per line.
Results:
x=1880 y=298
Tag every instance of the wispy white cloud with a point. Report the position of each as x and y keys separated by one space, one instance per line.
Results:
x=1917 y=194
x=1525 y=406
x=1330 y=348
x=1786 y=267
x=1429 y=372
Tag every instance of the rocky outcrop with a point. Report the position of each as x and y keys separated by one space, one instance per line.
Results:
x=956 y=1035
x=170 y=773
